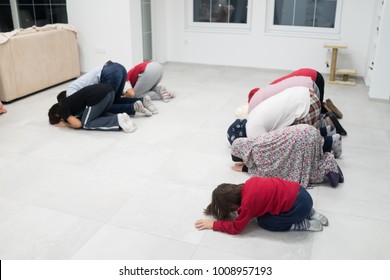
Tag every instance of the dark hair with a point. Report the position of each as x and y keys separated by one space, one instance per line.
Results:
x=61 y=96
x=226 y=199
x=53 y=114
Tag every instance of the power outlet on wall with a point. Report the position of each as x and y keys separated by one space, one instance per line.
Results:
x=100 y=50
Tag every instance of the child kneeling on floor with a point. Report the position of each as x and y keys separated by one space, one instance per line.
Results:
x=278 y=205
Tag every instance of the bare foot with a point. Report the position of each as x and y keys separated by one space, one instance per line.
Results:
x=2 y=109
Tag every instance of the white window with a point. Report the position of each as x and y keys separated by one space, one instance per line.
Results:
x=306 y=18
x=218 y=15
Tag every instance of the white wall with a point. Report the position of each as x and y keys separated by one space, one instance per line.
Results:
x=108 y=30
x=159 y=29
x=257 y=49
x=379 y=88
x=112 y=30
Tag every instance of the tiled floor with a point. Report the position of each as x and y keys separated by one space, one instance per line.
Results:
x=76 y=194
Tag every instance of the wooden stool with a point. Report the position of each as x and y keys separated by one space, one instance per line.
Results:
x=344 y=72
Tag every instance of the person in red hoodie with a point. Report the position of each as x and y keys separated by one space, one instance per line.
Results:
x=143 y=80
x=278 y=205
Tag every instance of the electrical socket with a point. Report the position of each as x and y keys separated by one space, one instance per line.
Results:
x=100 y=50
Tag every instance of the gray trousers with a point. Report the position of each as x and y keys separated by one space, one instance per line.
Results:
x=147 y=83
x=96 y=118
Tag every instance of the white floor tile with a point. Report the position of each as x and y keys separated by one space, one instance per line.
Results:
x=363 y=239
x=115 y=243
x=39 y=233
x=76 y=194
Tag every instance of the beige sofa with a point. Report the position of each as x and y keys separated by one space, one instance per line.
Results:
x=36 y=58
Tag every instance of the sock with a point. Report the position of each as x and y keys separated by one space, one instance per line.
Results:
x=333 y=178
x=336 y=145
x=165 y=94
x=139 y=107
x=318 y=217
x=306 y=225
x=330 y=130
x=341 y=175
x=147 y=102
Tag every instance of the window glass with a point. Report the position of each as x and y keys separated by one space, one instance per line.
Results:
x=326 y=13
x=39 y=2
x=23 y=2
x=41 y=12
x=223 y=11
x=26 y=16
x=42 y=15
x=6 y=23
x=59 y=14
x=311 y=13
x=58 y=2
x=304 y=18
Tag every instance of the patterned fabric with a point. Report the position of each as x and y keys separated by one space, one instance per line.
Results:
x=293 y=153
x=314 y=112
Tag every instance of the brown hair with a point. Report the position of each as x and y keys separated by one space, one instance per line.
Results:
x=225 y=199
x=53 y=114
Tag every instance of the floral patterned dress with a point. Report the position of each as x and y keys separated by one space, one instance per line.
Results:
x=293 y=153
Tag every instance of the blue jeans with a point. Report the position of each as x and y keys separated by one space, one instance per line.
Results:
x=126 y=105
x=114 y=74
x=282 y=222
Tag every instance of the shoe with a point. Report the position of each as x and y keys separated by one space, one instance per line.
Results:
x=307 y=225
x=325 y=106
x=139 y=107
x=333 y=178
x=126 y=123
x=148 y=104
x=318 y=217
x=339 y=129
x=329 y=104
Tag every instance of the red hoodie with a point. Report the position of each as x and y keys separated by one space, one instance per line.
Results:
x=260 y=196
x=133 y=73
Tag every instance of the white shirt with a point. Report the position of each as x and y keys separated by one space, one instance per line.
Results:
x=90 y=78
x=278 y=111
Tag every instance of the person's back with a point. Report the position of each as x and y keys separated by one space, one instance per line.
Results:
x=308 y=72
x=279 y=111
x=87 y=96
x=271 y=90
x=90 y=78
x=260 y=196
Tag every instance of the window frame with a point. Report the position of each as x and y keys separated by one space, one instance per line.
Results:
x=302 y=31
x=217 y=27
